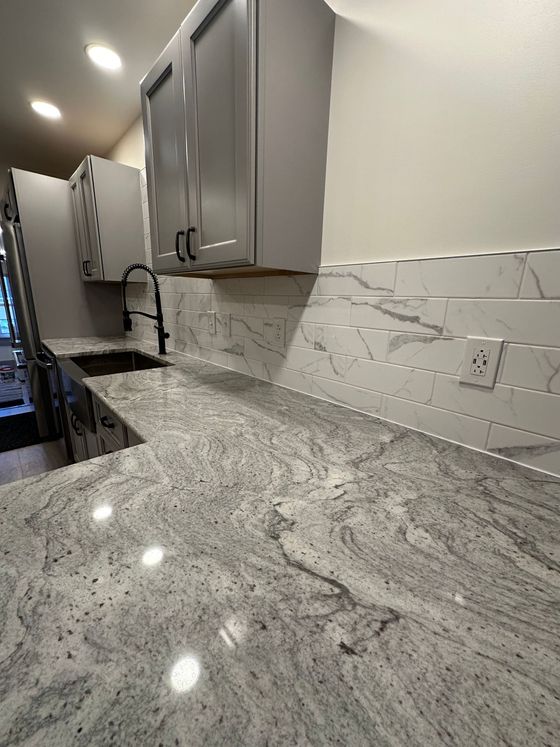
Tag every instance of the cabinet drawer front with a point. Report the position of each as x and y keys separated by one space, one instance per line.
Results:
x=163 y=114
x=109 y=426
x=218 y=41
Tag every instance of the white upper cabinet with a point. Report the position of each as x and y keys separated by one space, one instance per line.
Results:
x=236 y=122
x=108 y=218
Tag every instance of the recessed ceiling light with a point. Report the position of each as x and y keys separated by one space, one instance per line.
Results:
x=46 y=110
x=103 y=56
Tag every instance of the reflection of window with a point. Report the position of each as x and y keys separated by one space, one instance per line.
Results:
x=6 y=300
x=4 y=325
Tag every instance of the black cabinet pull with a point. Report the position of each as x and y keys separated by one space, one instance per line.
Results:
x=74 y=421
x=106 y=423
x=85 y=264
x=177 y=250
x=190 y=230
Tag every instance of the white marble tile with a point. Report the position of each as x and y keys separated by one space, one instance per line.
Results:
x=542 y=275
x=246 y=326
x=259 y=350
x=317 y=363
x=532 y=367
x=246 y=366
x=196 y=302
x=274 y=307
x=399 y=381
x=352 y=341
x=485 y=276
x=240 y=286
x=301 y=335
x=531 y=322
x=536 y=412
x=322 y=310
x=434 y=353
x=234 y=305
x=289 y=285
x=374 y=279
x=460 y=428
x=525 y=448
x=363 y=400
x=290 y=379
x=399 y=314
x=195 y=319
x=218 y=357
x=231 y=345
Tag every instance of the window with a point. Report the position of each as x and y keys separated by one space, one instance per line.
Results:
x=6 y=300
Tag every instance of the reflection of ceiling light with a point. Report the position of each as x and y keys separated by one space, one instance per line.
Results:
x=103 y=56
x=46 y=110
x=185 y=674
x=103 y=512
x=152 y=556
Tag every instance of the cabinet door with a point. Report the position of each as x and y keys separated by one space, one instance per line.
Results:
x=218 y=47
x=79 y=225
x=166 y=159
x=86 y=219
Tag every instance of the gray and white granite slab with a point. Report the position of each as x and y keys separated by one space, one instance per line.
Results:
x=271 y=569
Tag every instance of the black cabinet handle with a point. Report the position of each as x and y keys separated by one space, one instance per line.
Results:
x=74 y=420
x=190 y=254
x=177 y=250
x=106 y=423
x=85 y=264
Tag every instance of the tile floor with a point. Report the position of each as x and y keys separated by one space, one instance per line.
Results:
x=31 y=460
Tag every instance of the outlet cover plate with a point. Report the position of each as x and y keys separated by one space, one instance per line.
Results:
x=481 y=361
x=275 y=332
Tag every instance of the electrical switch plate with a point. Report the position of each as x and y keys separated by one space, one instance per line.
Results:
x=275 y=332
x=223 y=324
x=481 y=361
x=212 y=322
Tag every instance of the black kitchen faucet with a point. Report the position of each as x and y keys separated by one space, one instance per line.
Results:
x=127 y=321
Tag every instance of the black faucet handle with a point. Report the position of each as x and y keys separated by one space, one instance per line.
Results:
x=127 y=322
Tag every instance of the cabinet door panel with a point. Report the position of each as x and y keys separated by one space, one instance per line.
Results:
x=79 y=225
x=218 y=39
x=166 y=165
x=93 y=270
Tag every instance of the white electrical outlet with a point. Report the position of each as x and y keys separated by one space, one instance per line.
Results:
x=275 y=332
x=212 y=322
x=223 y=324
x=481 y=361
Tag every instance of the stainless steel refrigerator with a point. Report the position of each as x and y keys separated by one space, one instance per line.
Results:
x=49 y=298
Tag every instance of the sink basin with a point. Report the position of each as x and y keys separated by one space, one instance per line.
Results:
x=112 y=363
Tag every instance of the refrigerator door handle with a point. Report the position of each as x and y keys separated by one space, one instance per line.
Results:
x=43 y=361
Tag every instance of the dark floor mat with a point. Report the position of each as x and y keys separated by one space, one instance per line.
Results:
x=17 y=431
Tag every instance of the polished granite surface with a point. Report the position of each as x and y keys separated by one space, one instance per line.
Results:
x=271 y=569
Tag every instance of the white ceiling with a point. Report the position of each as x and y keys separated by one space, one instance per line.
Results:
x=42 y=57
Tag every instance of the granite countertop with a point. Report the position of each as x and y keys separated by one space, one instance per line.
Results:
x=271 y=569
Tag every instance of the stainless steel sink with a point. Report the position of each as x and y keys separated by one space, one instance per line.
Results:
x=112 y=363
x=74 y=370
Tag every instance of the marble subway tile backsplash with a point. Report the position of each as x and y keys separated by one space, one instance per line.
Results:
x=388 y=339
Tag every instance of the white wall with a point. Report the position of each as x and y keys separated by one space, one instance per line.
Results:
x=130 y=148
x=445 y=129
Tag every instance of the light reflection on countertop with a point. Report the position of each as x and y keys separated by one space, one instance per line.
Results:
x=185 y=674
